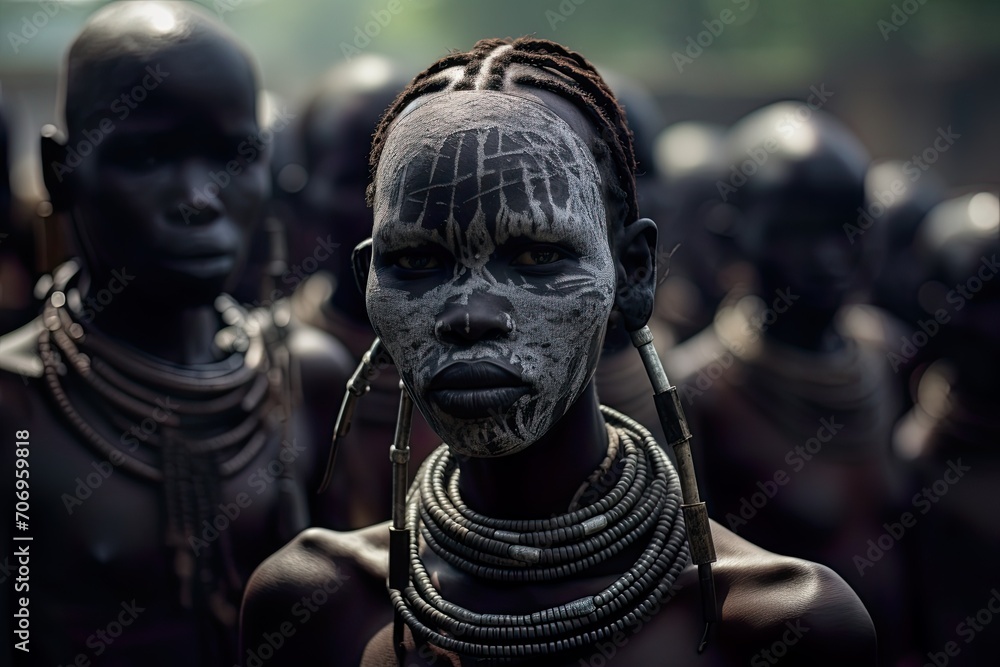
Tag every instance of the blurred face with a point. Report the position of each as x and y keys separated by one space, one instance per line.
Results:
x=492 y=278
x=174 y=187
x=333 y=200
x=813 y=258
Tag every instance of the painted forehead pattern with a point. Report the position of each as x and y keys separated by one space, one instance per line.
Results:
x=498 y=168
x=508 y=155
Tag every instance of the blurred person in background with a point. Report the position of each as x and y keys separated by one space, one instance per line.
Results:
x=790 y=402
x=898 y=204
x=267 y=259
x=173 y=435
x=688 y=156
x=17 y=245
x=620 y=372
x=951 y=435
x=329 y=217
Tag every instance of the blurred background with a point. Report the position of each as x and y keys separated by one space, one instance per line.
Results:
x=915 y=80
x=895 y=72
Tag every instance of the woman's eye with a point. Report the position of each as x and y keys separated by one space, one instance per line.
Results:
x=538 y=256
x=418 y=262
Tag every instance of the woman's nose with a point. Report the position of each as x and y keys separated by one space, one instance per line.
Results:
x=481 y=317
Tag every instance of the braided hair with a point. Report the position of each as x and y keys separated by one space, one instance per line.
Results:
x=561 y=71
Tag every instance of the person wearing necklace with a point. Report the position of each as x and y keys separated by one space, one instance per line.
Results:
x=548 y=529
x=335 y=137
x=790 y=397
x=172 y=435
x=951 y=434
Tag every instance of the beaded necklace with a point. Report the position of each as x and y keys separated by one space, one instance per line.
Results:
x=647 y=496
x=187 y=429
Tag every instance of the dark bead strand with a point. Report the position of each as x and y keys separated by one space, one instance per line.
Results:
x=457 y=553
x=223 y=403
x=93 y=438
x=543 y=536
x=117 y=400
x=527 y=526
x=170 y=378
x=561 y=535
x=496 y=552
x=567 y=627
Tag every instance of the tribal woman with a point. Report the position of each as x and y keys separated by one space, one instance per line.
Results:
x=547 y=529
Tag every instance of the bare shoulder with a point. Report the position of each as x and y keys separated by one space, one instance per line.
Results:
x=320 y=356
x=319 y=599
x=323 y=365
x=785 y=605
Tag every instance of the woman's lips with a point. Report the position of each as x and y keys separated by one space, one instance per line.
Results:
x=475 y=390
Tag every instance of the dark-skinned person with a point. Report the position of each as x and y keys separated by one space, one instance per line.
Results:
x=897 y=205
x=688 y=156
x=547 y=530
x=789 y=392
x=950 y=435
x=17 y=242
x=169 y=436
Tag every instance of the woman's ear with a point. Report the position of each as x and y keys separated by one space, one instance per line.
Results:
x=636 y=270
x=361 y=260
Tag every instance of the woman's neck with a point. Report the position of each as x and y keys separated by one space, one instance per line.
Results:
x=540 y=481
x=182 y=334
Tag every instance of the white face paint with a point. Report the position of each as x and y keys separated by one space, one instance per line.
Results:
x=490 y=260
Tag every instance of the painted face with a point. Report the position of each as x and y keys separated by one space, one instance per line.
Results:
x=492 y=278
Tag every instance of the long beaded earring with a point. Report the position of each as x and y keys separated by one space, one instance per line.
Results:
x=399 y=454
x=357 y=386
x=699 y=530
x=399 y=534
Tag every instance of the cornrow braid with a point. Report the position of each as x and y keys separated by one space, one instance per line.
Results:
x=571 y=76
